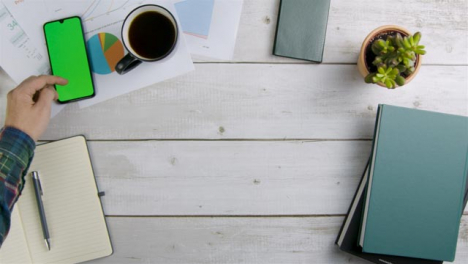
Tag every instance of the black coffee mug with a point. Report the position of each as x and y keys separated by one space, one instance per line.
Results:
x=149 y=33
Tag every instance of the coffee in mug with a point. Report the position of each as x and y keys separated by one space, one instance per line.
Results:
x=150 y=34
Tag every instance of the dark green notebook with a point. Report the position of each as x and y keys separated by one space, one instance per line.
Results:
x=301 y=29
x=416 y=184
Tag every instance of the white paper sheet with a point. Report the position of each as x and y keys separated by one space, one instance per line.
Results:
x=19 y=57
x=216 y=40
x=104 y=17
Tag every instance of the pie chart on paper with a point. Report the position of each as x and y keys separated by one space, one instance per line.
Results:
x=105 y=51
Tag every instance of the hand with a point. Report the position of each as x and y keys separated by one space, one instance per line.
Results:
x=29 y=104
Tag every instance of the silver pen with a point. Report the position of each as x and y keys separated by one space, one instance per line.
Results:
x=40 y=206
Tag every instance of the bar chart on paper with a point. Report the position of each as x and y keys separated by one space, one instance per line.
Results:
x=195 y=16
x=105 y=50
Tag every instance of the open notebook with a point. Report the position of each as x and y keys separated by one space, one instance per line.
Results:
x=77 y=227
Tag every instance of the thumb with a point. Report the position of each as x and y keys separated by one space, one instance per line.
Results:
x=33 y=84
x=46 y=96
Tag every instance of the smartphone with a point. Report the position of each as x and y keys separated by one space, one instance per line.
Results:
x=68 y=58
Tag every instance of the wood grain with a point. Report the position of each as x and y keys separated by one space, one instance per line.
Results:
x=444 y=26
x=228 y=178
x=292 y=190
x=236 y=240
x=238 y=101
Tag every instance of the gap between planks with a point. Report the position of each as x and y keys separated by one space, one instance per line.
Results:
x=226 y=216
x=222 y=140
x=313 y=63
x=233 y=216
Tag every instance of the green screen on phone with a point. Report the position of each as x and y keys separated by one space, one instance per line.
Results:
x=68 y=58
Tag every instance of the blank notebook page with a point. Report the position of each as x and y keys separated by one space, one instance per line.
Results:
x=15 y=247
x=77 y=226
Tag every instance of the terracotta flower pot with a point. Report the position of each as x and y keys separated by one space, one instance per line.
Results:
x=362 y=64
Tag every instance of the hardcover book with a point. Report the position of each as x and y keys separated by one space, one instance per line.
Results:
x=349 y=232
x=416 y=184
x=301 y=29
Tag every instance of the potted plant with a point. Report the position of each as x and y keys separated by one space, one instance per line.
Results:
x=390 y=56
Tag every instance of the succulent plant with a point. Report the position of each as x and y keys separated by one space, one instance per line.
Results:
x=386 y=75
x=395 y=57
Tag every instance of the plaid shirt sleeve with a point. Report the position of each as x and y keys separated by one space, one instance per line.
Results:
x=16 y=153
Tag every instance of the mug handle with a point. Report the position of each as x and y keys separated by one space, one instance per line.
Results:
x=127 y=63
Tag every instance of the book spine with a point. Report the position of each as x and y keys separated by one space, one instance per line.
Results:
x=362 y=229
x=277 y=26
x=351 y=205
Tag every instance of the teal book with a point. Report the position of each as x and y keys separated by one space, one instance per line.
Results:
x=301 y=29
x=416 y=185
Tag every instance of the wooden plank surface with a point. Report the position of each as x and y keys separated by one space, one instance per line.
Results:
x=228 y=178
x=238 y=101
x=220 y=198
x=444 y=26
x=236 y=240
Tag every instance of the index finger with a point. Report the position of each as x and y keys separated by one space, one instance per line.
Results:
x=34 y=84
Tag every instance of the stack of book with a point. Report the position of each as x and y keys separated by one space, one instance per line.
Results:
x=409 y=203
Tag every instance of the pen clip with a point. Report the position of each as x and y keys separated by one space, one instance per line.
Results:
x=35 y=175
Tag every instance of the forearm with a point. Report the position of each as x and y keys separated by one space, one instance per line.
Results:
x=16 y=152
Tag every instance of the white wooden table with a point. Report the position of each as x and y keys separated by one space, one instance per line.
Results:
x=255 y=160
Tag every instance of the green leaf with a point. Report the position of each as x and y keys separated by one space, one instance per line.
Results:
x=393 y=62
x=377 y=60
x=400 y=80
x=401 y=68
x=392 y=40
x=369 y=78
x=407 y=62
x=381 y=70
x=420 y=52
x=409 y=71
x=381 y=43
x=417 y=37
x=406 y=43
x=388 y=83
x=375 y=48
x=399 y=40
